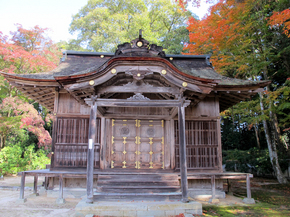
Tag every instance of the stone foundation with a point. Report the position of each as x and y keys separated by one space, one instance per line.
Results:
x=138 y=208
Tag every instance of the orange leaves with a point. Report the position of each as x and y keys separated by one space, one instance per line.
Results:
x=28 y=51
x=281 y=19
x=221 y=33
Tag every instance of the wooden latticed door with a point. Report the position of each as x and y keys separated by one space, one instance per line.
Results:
x=137 y=144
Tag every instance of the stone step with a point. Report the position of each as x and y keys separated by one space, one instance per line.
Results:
x=136 y=196
x=137 y=183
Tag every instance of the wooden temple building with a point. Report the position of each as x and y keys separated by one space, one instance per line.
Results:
x=136 y=121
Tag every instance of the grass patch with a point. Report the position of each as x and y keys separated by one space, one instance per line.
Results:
x=260 y=209
x=272 y=199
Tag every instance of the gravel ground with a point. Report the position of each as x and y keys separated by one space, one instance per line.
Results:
x=46 y=206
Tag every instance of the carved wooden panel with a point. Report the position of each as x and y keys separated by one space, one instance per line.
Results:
x=70 y=149
x=137 y=144
x=201 y=144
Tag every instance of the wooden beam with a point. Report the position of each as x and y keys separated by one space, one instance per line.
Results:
x=129 y=116
x=139 y=89
x=136 y=103
x=173 y=112
x=182 y=153
x=90 y=158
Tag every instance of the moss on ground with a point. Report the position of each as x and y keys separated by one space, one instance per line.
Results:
x=272 y=199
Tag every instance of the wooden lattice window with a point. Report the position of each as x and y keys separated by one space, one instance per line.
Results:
x=70 y=148
x=201 y=144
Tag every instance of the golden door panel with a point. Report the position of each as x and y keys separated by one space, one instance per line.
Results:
x=123 y=146
x=137 y=144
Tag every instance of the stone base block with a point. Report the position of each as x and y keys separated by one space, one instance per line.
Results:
x=214 y=200
x=60 y=201
x=205 y=194
x=249 y=201
x=21 y=200
x=34 y=195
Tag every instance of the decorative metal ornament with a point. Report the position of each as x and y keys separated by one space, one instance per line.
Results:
x=184 y=84
x=124 y=163
x=124 y=142
x=150 y=131
x=112 y=164
x=137 y=140
x=137 y=164
x=137 y=123
x=91 y=82
x=113 y=71
x=124 y=131
x=139 y=43
x=163 y=72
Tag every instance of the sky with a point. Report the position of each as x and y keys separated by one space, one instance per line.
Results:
x=53 y=14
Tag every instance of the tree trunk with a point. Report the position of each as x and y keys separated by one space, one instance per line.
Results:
x=257 y=135
x=2 y=142
x=272 y=148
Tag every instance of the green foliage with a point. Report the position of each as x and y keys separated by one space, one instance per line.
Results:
x=253 y=160
x=103 y=24
x=15 y=159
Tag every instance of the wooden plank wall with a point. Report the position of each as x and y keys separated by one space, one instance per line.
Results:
x=69 y=106
x=72 y=141
x=201 y=144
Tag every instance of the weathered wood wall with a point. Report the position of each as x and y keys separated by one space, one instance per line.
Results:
x=203 y=147
x=69 y=106
x=208 y=107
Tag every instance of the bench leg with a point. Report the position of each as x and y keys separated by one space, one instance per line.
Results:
x=21 y=197
x=213 y=199
x=35 y=185
x=249 y=198
x=60 y=199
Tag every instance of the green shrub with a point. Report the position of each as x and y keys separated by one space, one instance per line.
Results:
x=15 y=159
x=252 y=160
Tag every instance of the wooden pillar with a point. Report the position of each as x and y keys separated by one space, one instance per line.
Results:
x=182 y=153
x=103 y=143
x=249 y=196
x=54 y=126
x=90 y=156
